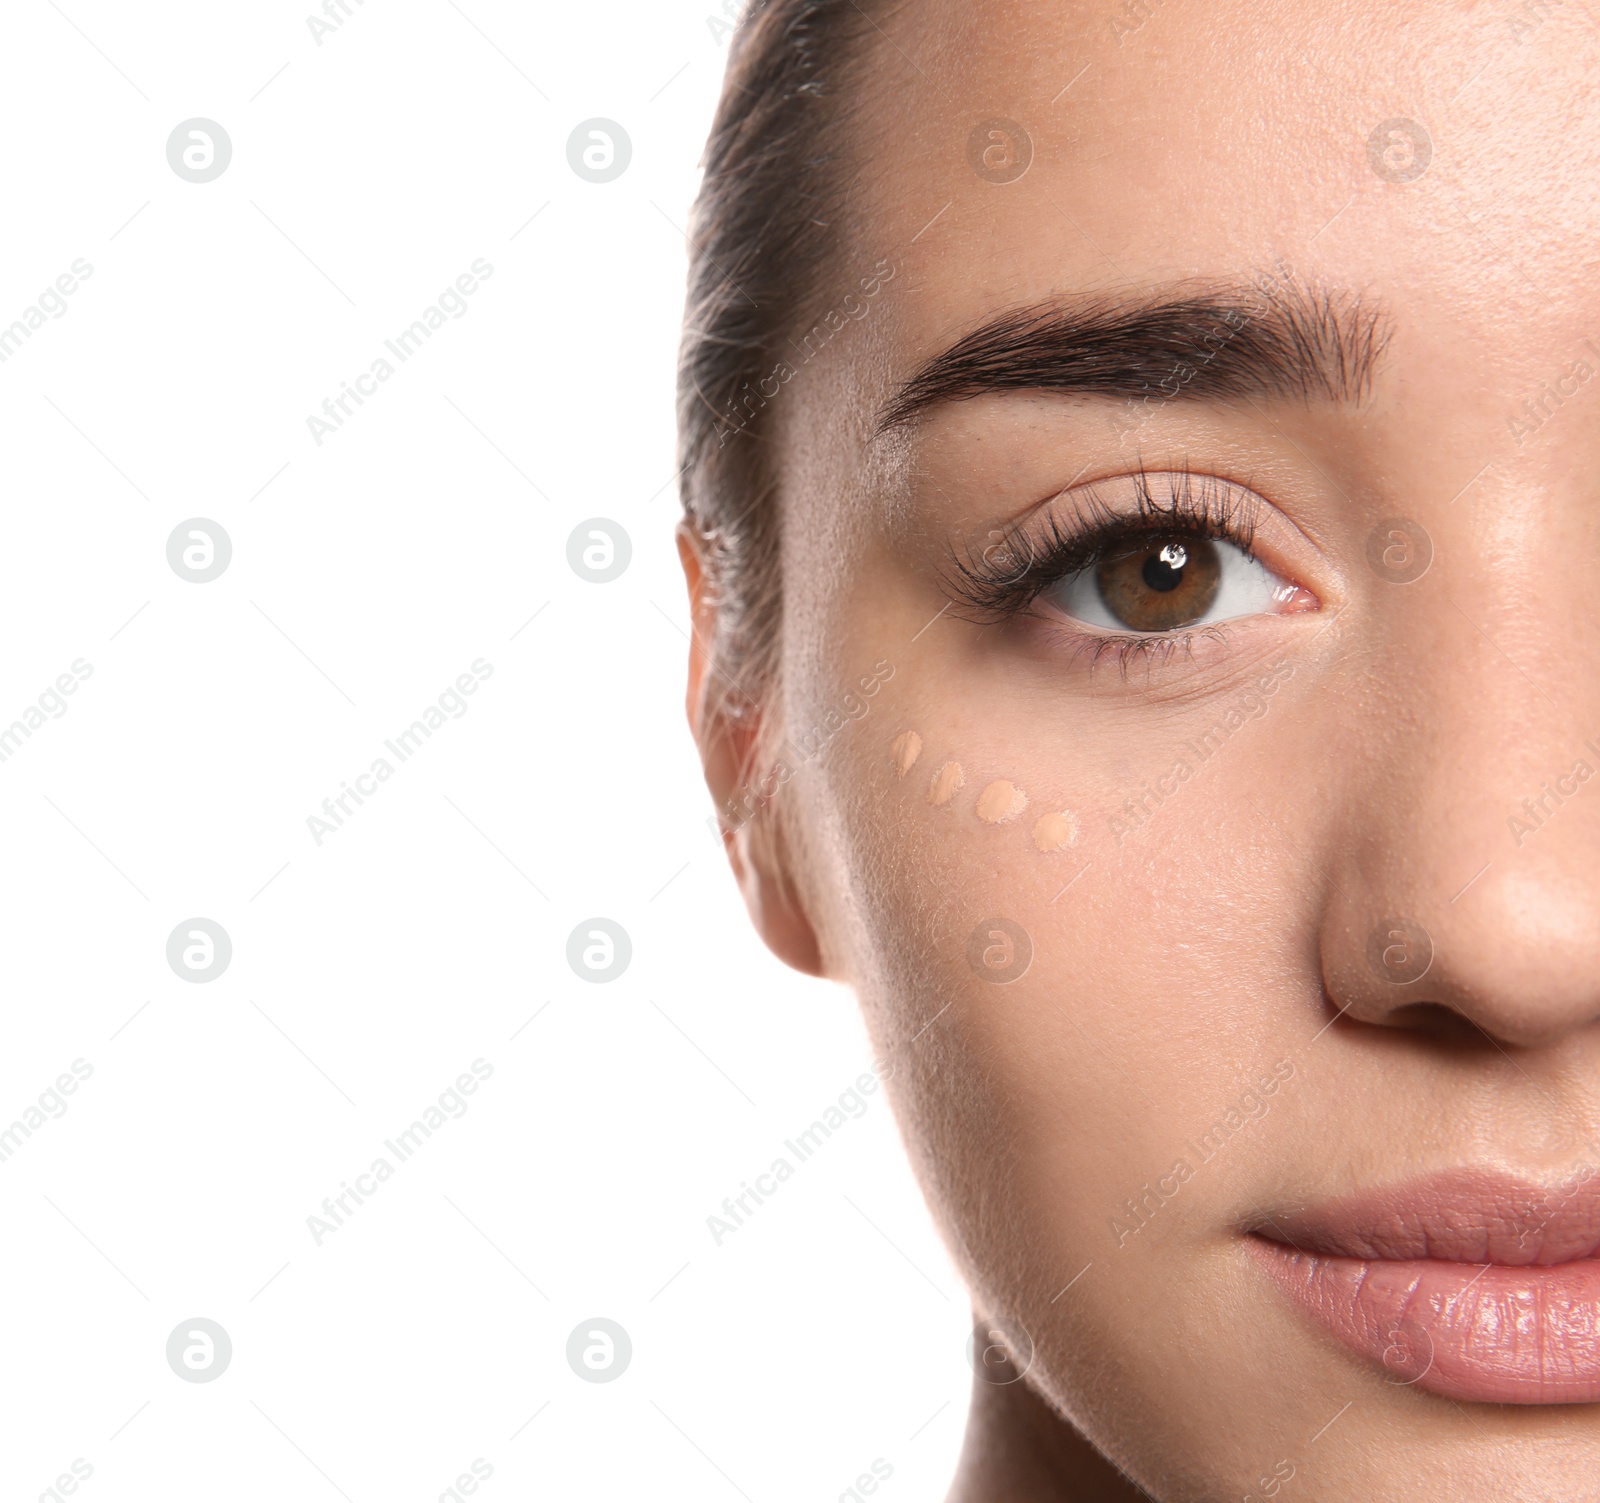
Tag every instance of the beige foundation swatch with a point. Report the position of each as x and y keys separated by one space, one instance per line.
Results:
x=945 y=782
x=1001 y=801
x=905 y=749
x=1054 y=832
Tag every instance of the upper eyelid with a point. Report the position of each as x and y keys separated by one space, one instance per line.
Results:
x=1206 y=499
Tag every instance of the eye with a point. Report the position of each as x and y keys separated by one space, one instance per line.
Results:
x=1165 y=581
x=1136 y=560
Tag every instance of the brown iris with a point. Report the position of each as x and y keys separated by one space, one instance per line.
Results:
x=1165 y=583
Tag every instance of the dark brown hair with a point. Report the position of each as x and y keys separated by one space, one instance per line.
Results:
x=760 y=238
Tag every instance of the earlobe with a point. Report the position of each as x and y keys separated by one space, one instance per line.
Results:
x=752 y=830
x=760 y=857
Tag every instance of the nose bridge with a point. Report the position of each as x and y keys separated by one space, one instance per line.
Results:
x=1472 y=878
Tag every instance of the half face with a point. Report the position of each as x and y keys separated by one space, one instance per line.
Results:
x=1202 y=475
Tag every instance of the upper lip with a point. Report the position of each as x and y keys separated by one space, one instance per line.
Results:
x=1458 y=1216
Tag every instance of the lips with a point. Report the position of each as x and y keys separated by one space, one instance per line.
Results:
x=1476 y=1286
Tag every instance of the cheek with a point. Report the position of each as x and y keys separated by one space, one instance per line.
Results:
x=1068 y=965
x=968 y=861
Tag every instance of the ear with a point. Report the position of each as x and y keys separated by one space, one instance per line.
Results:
x=752 y=830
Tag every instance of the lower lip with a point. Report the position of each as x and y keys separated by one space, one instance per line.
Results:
x=1491 y=1334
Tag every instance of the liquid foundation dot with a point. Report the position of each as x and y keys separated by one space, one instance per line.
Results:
x=1001 y=801
x=1055 y=832
x=945 y=782
x=905 y=749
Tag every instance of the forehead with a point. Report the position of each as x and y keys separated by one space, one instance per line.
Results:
x=1441 y=156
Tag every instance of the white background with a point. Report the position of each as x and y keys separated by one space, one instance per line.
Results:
x=429 y=930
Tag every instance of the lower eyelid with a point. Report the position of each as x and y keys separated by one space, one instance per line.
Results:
x=1130 y=648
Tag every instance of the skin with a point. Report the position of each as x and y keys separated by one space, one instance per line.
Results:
x=1227 y=933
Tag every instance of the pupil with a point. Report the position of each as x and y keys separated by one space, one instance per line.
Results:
x=1163 y=571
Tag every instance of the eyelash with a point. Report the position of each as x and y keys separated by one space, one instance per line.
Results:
x=1180 y=503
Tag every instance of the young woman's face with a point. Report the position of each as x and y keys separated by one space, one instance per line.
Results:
x=1224 y=890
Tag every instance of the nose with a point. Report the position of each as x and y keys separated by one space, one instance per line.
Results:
x=1521 y=965
x=1466 y=896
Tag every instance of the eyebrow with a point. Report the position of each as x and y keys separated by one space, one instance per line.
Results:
x=1284 y=342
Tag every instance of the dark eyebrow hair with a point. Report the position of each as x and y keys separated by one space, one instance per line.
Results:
x=1280 y=341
